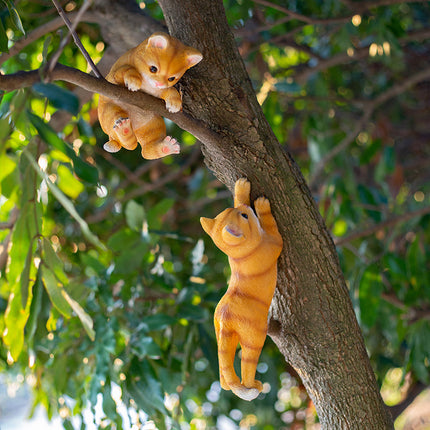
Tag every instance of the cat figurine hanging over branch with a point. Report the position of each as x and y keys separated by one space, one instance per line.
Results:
x=253 y=245
x=154 y=67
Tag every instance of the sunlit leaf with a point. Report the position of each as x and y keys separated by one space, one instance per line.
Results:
x=66 y=203
x=15 y=16
x=83 y=170
x=67 y=183
x=15 y=318
x=86 y=320
x=51 y=260
x=54 y=290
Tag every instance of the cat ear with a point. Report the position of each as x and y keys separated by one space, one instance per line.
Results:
x=207 y=224
x=158 y=40
x=193 y=57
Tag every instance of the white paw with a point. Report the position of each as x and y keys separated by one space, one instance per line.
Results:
x=173 y=105
x=133 y=84
x=170 y=146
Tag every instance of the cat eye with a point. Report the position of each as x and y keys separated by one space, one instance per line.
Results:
x=244 y=215
x=153 y=69
x=171 y=79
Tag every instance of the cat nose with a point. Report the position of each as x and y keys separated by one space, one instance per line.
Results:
x=159 y=84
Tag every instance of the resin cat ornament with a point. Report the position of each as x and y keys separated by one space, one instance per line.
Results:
x=253 y=245
x=154 y=67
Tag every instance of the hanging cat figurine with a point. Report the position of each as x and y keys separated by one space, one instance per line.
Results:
x=154 y=67
x=253 y=245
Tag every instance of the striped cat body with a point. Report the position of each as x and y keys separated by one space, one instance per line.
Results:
x=253 y=245
x=154 y=67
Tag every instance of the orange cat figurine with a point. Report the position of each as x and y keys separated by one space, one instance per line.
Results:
x=154 y=66
x=253 y=245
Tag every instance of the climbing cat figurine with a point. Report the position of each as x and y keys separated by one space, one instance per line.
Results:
x=154 y=67
x=253 y=245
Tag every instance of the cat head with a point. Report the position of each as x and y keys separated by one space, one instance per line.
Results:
x=165 y=59
x=235 y=231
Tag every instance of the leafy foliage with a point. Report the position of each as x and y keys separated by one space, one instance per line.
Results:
x=107 y=290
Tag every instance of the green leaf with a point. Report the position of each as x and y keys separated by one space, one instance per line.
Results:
x=416 y=265
x=83 y=170
x=386 y=164
x=156 y=213
x=59 y=97
x=4 y=41
x=66 y=203
x=15 y=16
x=25 y=276
x=53 y=262
x=146 y=391
x=35 y=308
x=19 y=271
x=419 y=357
x=109 y=405
x=67 y=183
x=146 y=347
x=86 y=320
x=24 y=232
x=55 y=292
x=15 y=318
x=370 y=296
x=158 y=321
x=134 y=215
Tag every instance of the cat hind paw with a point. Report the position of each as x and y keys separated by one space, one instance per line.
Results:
x=122 y=126
x=170 y=146
x=112 y=146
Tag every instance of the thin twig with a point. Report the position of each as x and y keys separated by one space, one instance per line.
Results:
x=72 y=29
x=301 y=17
x=385 y=224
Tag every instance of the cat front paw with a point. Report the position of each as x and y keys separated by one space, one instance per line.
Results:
x=174 y=104
x=170 y=146
x=133 y=82
x=242 y=186
x=262 y=206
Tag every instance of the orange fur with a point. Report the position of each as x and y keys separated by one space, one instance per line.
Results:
x=154 y=66
x=253 y=244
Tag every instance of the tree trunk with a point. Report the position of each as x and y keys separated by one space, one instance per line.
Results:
x=312 y=318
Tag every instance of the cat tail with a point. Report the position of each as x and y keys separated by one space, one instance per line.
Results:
x=244 y=392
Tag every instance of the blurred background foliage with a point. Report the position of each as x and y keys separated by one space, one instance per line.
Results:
x=108 y=284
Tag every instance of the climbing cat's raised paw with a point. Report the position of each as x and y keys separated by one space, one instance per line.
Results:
x=262 y=205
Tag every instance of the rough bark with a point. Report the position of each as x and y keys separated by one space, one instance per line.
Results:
x=312 y=322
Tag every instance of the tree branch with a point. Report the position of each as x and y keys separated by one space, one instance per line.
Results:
x=116 y=93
